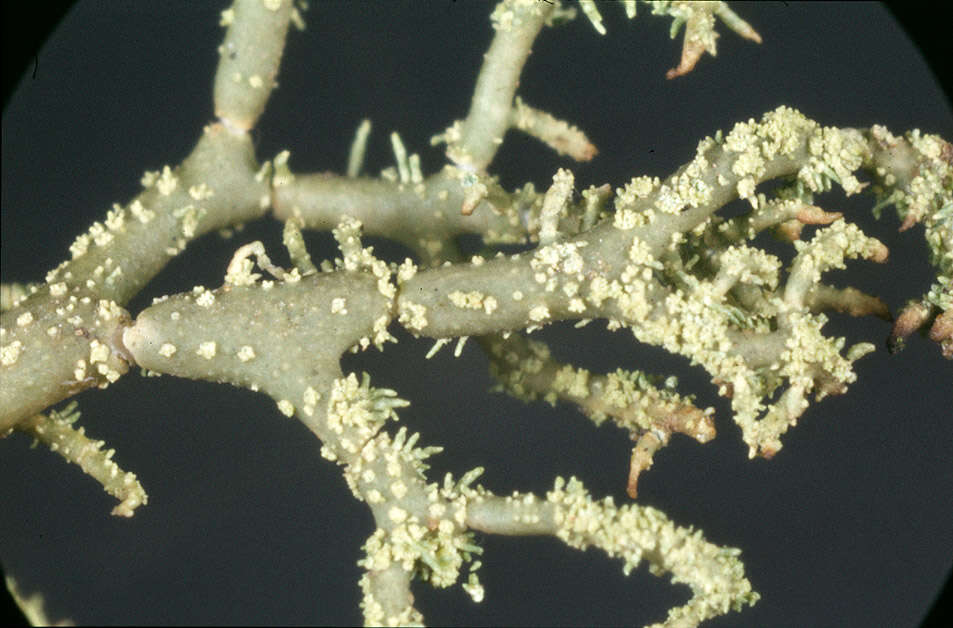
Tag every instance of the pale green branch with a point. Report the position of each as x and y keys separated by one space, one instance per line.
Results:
x=632 y=533
x=249 y=59
x=516 y=25
x=65 y=337
x=56 y=431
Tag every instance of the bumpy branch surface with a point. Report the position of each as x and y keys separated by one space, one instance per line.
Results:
x=613 y=271
x=249 y=59
x=651 y=256
x=517 y=24
x=616 y=269
x=63 y=338
x=631 y=532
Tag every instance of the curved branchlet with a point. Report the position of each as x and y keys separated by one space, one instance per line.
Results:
x=632 y=533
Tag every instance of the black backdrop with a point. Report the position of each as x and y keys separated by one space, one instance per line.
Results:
x=849 y=525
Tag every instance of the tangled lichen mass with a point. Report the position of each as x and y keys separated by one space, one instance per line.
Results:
x=653 y=258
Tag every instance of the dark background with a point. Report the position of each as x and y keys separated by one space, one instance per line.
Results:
x=849 y=525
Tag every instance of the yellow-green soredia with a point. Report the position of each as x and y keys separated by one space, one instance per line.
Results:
x=653 y=256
